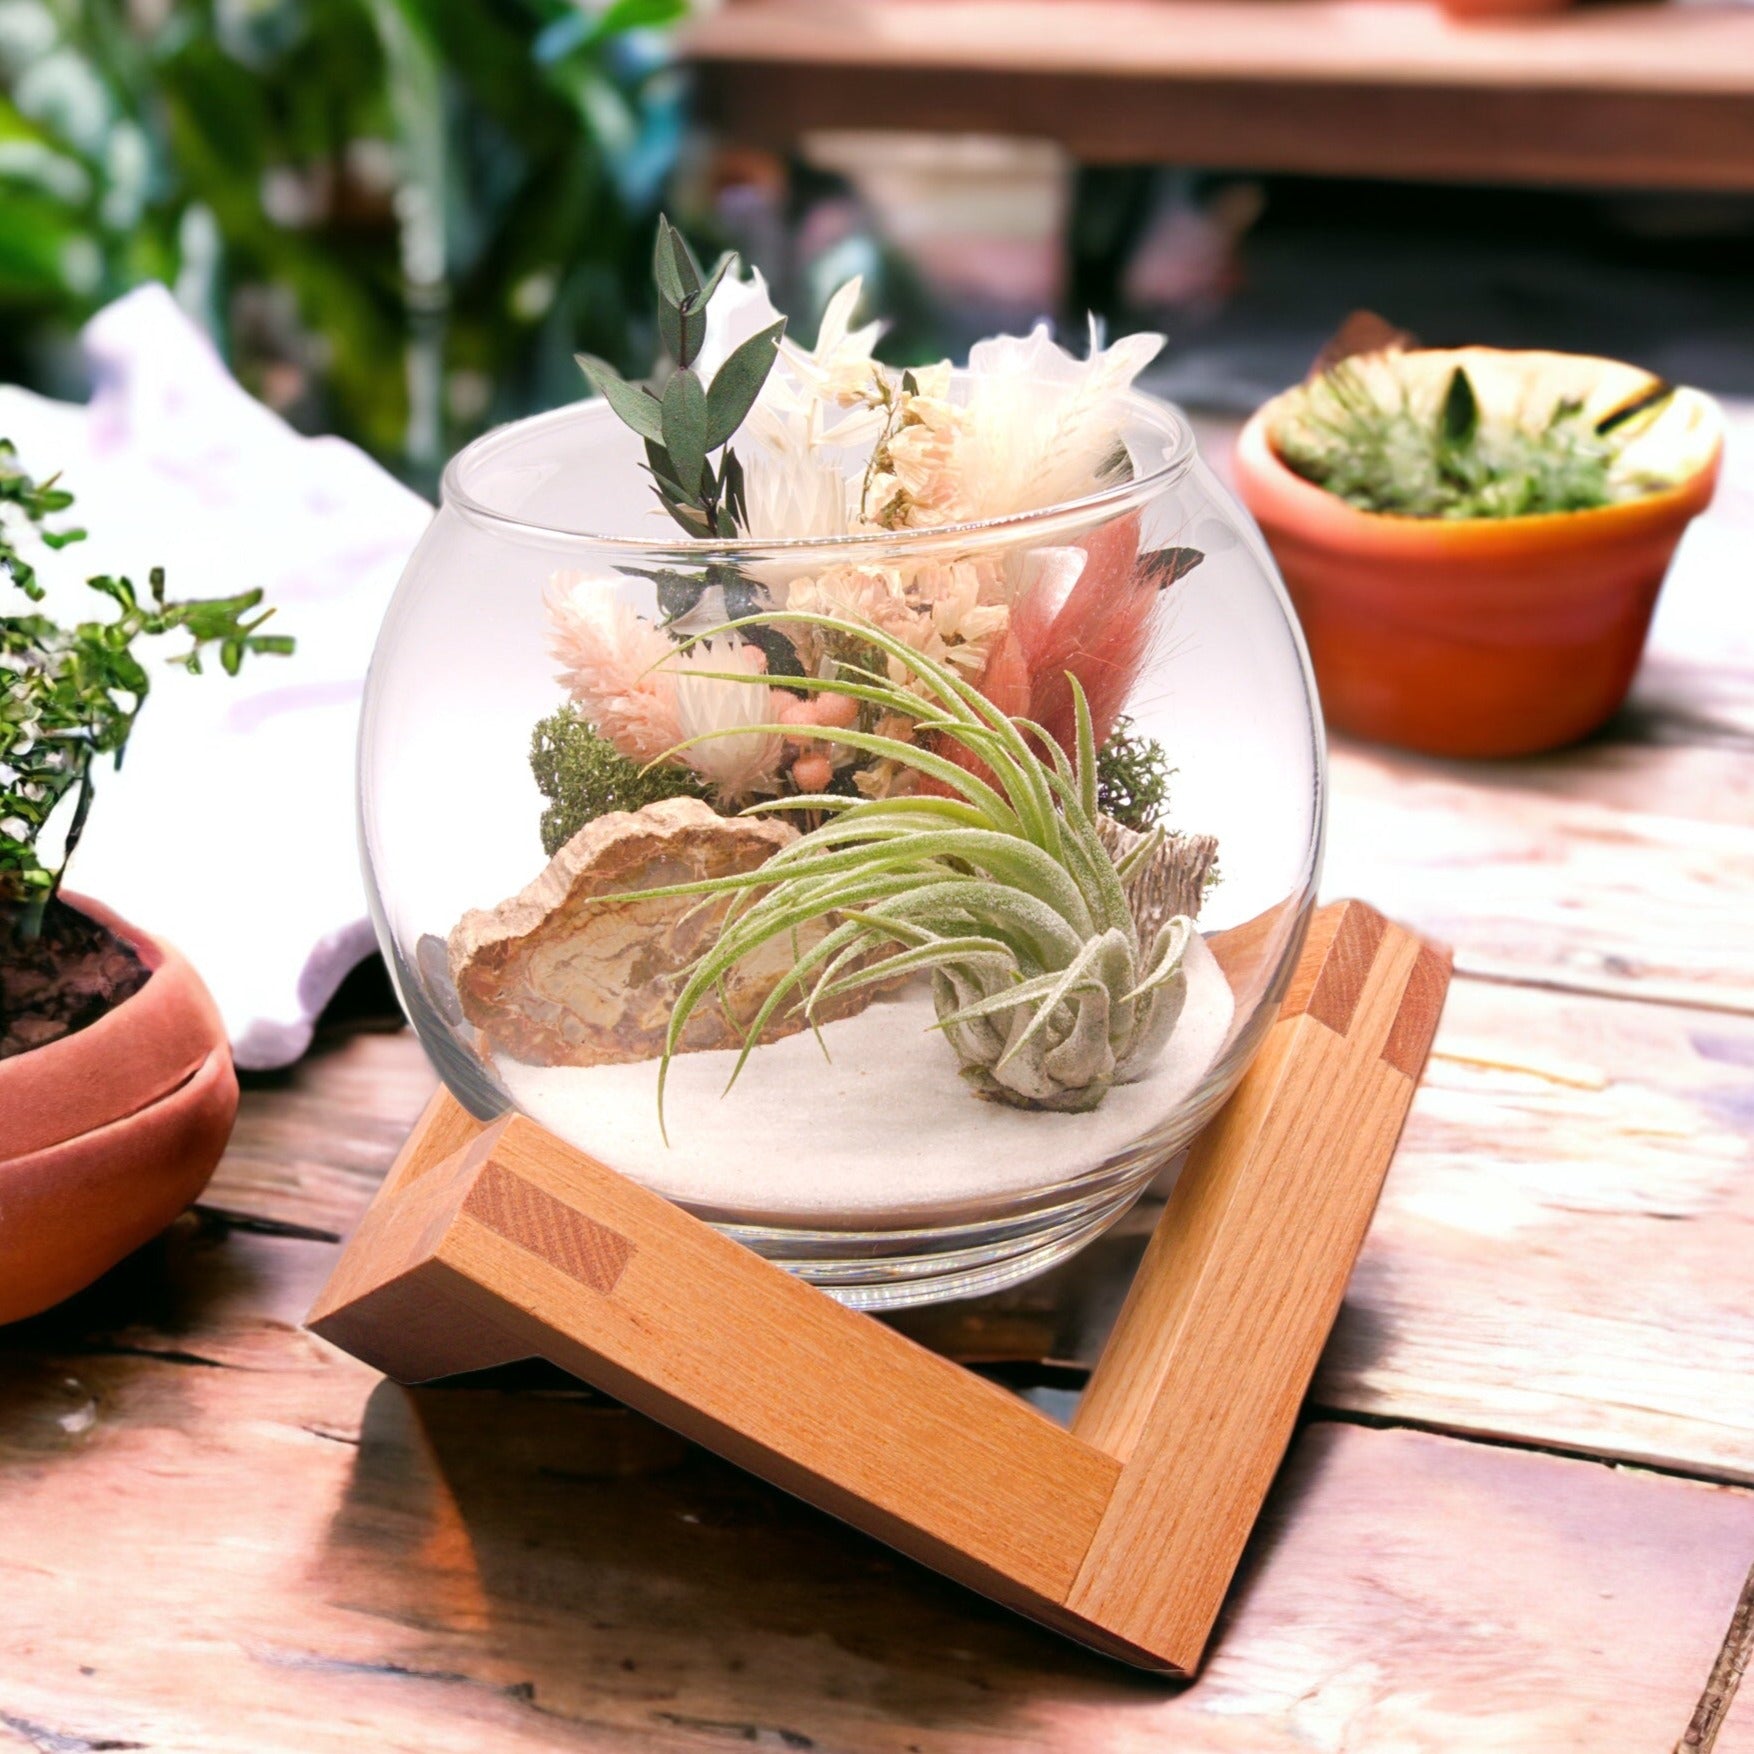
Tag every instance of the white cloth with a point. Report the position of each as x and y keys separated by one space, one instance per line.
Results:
x=229 y=830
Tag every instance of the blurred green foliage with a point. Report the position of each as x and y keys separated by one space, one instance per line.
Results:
x=400 y=219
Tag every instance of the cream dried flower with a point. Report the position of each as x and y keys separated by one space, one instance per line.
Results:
x=1033 y=427
x=965 y=601
x=797 y=482
x=738 y=762
x=838 y=369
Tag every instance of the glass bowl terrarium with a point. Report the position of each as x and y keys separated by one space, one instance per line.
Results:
x=877 y=810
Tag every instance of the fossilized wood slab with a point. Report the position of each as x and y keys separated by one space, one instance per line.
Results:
x=1172 y=881
x=555 y=979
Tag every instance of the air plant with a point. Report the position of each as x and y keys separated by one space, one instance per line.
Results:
x=1000 y=889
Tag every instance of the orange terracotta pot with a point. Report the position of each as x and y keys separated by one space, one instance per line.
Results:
x=1475 y=637
x=107 y=1134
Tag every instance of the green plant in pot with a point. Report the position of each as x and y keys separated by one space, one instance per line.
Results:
x=116 y=1086
x=1474 y=539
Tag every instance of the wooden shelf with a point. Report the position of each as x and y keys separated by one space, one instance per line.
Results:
x=1639 y=95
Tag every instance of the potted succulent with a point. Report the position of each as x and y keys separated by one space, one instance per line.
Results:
x=1475 y=539
x=116 y=1086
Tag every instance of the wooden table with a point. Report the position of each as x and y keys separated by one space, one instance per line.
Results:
x=1516 y=1519
x=1651 y=94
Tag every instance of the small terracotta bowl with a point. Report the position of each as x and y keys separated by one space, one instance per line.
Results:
x=107 y=1134
x=1481 y=636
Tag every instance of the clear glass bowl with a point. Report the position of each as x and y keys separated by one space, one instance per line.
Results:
x=860 y=1161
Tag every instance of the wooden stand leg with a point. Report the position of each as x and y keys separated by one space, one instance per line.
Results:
x=499 y=1243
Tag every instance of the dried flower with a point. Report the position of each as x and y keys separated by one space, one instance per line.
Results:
x=1036 y=427
x=610 y=662
x=712 y=708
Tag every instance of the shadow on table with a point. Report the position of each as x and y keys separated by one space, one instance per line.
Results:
x=562 y=1548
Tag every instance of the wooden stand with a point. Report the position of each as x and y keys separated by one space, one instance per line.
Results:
x=491 y=1244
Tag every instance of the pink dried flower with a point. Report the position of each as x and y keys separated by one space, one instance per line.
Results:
x=608 y=656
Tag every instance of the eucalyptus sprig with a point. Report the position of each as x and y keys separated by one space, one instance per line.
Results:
x=681 y=419
x=1001 y=889
x=71 y=694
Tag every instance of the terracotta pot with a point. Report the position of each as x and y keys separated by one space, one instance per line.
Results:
x=1474 y=637
x=107 y=1134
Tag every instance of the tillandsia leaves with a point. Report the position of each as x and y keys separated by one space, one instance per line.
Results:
x=74 y=694
x=1000 y=889
x=681 y=419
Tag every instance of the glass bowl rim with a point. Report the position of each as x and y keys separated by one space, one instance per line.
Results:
x=1179 y=456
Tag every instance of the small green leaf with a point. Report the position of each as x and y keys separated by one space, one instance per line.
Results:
x=673 y=264
x=1461 y=409
x=731 y=477
x=669 y=282
x=738 y=382
x=693 y=337
x=700 y=300
x=636 y=407
x=670 y=331
x=625 y=15
x=685 y=428
x=663 y=470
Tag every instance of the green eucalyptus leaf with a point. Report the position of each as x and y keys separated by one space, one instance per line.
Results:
x=635 y=407
x=731 y=475
x=691 y=324
x=685 y=428
x=738 y=382
x=673 y=265
x=700 y=300
x=664 y=274
x=670 y=331
x=664 y=471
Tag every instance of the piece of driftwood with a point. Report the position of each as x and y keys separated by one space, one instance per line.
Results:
x=1123 y=1532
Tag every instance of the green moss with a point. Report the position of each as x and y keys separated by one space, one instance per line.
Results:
x=1132 y=777
x=584 y=776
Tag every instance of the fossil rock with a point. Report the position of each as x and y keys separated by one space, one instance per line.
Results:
x=553 y=979
x=1172 y=881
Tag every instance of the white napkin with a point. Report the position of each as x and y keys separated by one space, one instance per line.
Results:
x=229 y=830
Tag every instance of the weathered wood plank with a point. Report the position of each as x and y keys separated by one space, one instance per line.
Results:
x=217 y=1559
x=1561 y=1254
x=1545 y=884
x=1564 y=1248
x=313 y=1142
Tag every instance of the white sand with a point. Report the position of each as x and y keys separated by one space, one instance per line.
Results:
x=883 y=1127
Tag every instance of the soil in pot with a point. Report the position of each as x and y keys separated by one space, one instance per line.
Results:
x=67 y=978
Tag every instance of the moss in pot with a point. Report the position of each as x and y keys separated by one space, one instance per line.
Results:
x=117 y=1092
